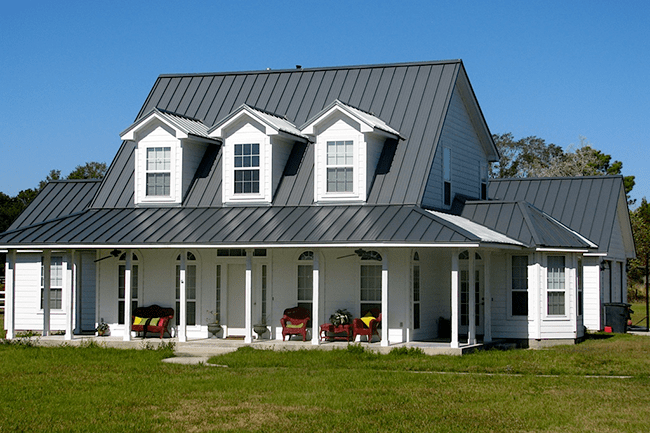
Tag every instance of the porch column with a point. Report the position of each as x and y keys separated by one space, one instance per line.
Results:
x=182 y=315
x=77 y=296
x=10 y=294
x=127 y=295
x=47 y=263
x=384 y=299
x=454 y=299
x=471 y=299
x=69 y=302
x=248 y=338
x=487 y=303
x=315 y=319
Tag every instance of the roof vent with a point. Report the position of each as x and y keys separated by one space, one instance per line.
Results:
x=298 y=66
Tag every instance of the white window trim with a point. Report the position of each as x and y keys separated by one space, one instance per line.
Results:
x=305 y=262
x=141 y=196
x=358 y=167
x=369 y=263
x=228 y=183
x=509 y=315
x=64 y=266
x=567 y=289
x=137 y=263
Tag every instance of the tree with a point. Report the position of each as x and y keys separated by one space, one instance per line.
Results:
x=532 y=157
x=91 y=170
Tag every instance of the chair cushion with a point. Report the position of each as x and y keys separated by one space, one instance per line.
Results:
x=139 y=321
x=291 y=325
x=154 y=321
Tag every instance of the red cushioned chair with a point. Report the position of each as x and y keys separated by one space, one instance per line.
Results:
x=294 y=322
x=165 y=315
x=360 y=328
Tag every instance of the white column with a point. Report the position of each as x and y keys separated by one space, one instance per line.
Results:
x=77 y=295
x=127 y=295
x=248 y=338
x=315 y=319
x=384 y=299
x=454 y=299
x=47 y=263
x=69 y=301
x=471 y=299
x=487 y=304
x=10 y=294
x=182 y=315
x=538 y=292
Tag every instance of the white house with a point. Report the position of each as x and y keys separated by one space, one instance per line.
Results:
x=354 y=187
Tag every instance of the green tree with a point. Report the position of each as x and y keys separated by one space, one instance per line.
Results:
x=640 y=218
x=91 y=170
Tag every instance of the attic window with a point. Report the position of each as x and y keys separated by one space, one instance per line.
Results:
x=247 y=171
x=158 y=171
x=340 y=166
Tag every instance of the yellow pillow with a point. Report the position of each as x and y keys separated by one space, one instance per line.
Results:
x=367 y=320
x=139 y=321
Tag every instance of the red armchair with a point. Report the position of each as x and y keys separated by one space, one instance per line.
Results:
x=360 y=328
x=294 y=322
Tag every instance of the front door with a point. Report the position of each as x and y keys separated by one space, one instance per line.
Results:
x=471 y=293
x=236 y=292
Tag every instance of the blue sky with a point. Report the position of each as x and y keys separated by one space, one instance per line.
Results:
x=74 y=74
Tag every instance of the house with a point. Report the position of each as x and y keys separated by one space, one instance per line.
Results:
x=361 y=187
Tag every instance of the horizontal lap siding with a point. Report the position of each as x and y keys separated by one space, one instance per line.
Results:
x=467 y=157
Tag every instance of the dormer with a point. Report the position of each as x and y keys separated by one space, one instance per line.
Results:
x=168 y=150
x=256 y=147
x=348 y=145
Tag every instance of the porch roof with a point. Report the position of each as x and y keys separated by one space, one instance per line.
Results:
x=392 y=225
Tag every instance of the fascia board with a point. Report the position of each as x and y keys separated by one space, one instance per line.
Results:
x=366 y=125
x=131 y=131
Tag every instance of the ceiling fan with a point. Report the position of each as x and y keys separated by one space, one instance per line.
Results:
x=114 y=253
x=363 y=255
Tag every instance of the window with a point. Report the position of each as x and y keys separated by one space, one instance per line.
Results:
x=121 y=287
x=555 y=286
x=446 y=174
x=340 y=166
x=465 y=291
x=56 y=283
x=264 y=293
x=158 y=171
x=190 y=289
x=370 y=283
x=240 y=252
x=305 y=280
x=580 y=284
x=519 y=286
x=217 y=310
x=484 y=182
x=247 y=168
x=416 y=291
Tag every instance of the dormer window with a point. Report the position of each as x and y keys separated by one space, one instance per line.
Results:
x=158 y=171
x=340 y=166
x=247 y=168
x=167 y=153
x=348 y=144
x=256 y=146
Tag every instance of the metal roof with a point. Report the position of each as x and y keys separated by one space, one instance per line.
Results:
x=188 y=126
x=411 y=98
x=57 y=199
x=586 y=204
x=247 y=226
x=270 y=119
x=522 y=221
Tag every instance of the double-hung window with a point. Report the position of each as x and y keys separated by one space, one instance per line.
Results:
x=519 y=285
x=158 y=171
x=56 y=283
x=340 y=166
x=190 y=289
x=555 y=286
x=370 y=283
x=121 y=288
x=247 y=168
x=306 y=280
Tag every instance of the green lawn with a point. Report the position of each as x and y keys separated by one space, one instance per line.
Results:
x=639 y=313
x=353 y=390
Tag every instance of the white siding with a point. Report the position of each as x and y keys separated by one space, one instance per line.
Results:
x=158 y=134
x=592 y=295
x=467 y=157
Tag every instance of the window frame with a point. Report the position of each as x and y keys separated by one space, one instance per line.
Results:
x=511 y=288
x=305 y=264
x=340 y=166
x=247 y=168
x=135 y=283
x=57 y=290
x=446 y=176
x=564 y=290
x=374 y=262
x=358 y=193
x=192 y=261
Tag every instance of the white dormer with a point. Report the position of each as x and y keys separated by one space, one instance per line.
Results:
x=349 y=143
x=168 y=151
x=256 y=147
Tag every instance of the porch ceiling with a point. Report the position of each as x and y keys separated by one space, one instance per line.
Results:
x=244 y=226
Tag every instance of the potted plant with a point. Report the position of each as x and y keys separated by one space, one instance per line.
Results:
x=213 y=323
x=103 y=329
x=260 y=329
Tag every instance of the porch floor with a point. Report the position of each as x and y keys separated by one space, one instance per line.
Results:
x=207 y=347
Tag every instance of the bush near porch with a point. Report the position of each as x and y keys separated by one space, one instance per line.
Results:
x=353 y=390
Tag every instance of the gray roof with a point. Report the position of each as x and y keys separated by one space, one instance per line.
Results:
x=587 y=204
x=57 y=199
x=521 y=221
x=411 y=98
x=270 y=119
x=185 y=124
x=244 y=226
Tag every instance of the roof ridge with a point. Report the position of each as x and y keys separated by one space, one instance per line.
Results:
x=593 y=176
x=318 y=68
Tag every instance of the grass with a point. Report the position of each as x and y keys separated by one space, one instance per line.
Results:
x=638 y=317
x=99 y=389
